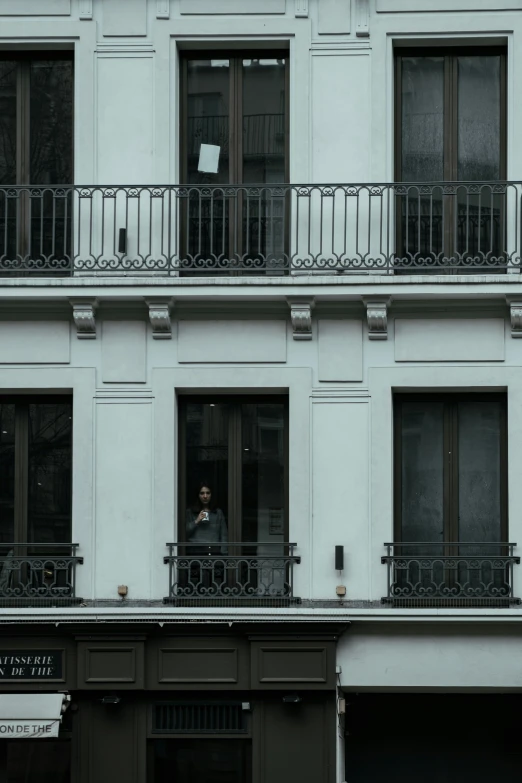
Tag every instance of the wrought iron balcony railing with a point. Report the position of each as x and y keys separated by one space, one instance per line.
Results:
x=38 y=574
x=450 y=574
x=399 y=228
x=232 y=573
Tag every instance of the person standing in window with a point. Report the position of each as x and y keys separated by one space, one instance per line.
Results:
x=206 y=527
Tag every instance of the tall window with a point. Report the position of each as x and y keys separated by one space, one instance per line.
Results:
x=451 y=497
x=35 y=470
x=233 y=513
x=451 y=126
x=234 y=132
x=238 y=446
x=35 y=498
x=450 y=468
x=36 y=148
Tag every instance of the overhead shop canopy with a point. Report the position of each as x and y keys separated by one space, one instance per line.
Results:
x=31 y=715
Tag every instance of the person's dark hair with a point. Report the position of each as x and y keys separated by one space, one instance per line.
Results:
x=197 y=505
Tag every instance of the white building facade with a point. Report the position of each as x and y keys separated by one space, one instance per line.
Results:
x=273 y=248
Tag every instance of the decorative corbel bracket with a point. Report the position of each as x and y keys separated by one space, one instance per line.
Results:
x=159 y=316
x=301 y=7
x=84 y=311
x=86 y=9
x=515 y=312
x=362 y=18
x=301 y=316
x=377 y=315
x=162 y=9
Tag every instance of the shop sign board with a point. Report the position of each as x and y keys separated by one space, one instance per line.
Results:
x=29 y=729
x=31 y=665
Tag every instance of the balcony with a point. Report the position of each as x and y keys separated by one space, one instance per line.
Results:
x=270 y=229
x=247 y=574
x=450 y=574
x=38 y=574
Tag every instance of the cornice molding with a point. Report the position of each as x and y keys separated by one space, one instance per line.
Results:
x=301 y=317
x=159 y=316
x=377 y=316
x=84 y=311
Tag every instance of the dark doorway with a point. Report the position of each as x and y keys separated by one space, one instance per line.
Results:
x=433 y=738
x=35 y=761
x=200 y=761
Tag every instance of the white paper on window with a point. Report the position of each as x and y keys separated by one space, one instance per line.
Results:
x=209 y=158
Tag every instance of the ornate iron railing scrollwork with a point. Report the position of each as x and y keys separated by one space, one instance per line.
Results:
x=268 y=229
x=232 y=572
x=30 y=571
x=450 y=574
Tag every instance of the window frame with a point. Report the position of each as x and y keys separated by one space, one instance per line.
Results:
x=23 y=98
x=234 y=516
x=450 y=55
x=450 y=402
x=235 y=115
x=21 y=459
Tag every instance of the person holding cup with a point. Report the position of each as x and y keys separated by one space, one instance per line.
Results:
x=206 y=527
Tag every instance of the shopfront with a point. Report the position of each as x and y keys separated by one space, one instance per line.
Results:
x=183 y=702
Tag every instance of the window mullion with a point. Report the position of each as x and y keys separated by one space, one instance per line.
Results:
x=238 y=119
x=453 y=527
x=234 y=474
x=447 y=473
x=286 y=458
x=184 y=122
x=183 y=501
x=503 y=116
x=504 y=526
x=397 y=441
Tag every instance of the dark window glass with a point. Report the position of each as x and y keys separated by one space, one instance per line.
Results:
x=451 y=478
x=49 y=479
x=263 y=472
x=422 y=472
x=263 y=120
x=51 y=113
x=207 y=451
x=479 y=125
x=8 y=104
x=422 y=137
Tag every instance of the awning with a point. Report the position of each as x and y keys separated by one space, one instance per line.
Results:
x=31 y=715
